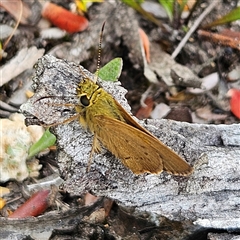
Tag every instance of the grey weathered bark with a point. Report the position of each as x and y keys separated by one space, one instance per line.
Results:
x=210 y=196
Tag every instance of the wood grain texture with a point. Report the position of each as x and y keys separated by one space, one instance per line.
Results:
x=210 y=196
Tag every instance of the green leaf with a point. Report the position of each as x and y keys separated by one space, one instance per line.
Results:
x=135 y=4
x=47 y=140
x=230 y=17
x=168 y=6
x=112 y=70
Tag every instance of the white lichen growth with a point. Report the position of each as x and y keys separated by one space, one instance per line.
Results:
x=15 y=141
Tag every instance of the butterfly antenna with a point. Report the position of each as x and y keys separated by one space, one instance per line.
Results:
x=99 y=53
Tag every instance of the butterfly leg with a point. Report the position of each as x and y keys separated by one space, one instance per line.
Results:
x=72 y=118
x=96 y=148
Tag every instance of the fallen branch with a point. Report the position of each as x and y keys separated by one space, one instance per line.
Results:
x=210 y=195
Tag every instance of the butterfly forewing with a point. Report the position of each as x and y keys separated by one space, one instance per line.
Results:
x=172 y=162
x=144 y=154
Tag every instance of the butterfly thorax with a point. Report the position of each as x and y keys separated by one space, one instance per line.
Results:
x=95 y=101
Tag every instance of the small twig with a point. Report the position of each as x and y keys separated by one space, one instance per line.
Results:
x=230 y=41
x=15 y=28
x=145 y=95
x=193 y=28
x=195 y=5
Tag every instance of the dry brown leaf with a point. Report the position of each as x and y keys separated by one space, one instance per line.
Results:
x=14 y=8
x=180 y=96
x=207 y=114
x=146 y=44
x=145 y=111
x=90 y=199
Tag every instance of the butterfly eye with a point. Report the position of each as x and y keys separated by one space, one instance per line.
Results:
x=84 y=100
